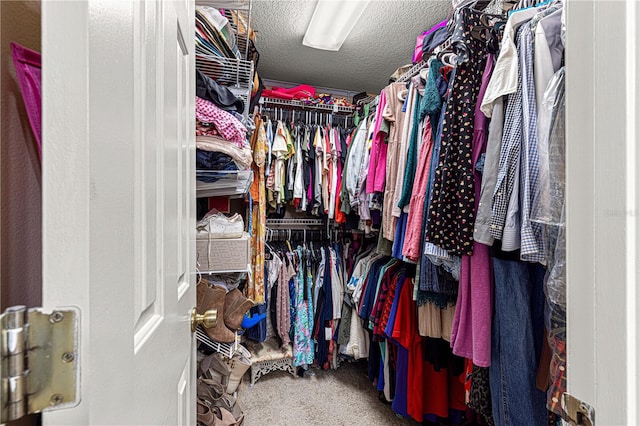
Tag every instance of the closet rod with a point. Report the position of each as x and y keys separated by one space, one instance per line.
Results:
x=294 y=223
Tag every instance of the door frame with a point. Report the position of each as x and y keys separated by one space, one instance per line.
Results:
x=65 y=122
x=602 y=211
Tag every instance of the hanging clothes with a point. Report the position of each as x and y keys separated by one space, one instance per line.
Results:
x=376 y=172
x=396 y=96
x=255 y=290
x=303 y=345
x=451 y=213
x=471 y=338
x=283 y=303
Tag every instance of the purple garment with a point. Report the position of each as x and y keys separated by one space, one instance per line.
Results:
x=471 y=331
x=28 y=66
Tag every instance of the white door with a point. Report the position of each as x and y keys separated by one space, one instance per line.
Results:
x=118 y=203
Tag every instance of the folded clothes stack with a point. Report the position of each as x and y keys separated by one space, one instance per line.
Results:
x=214 y=34
x=221 y=137
x=305 y=94
x=243 y=157
x=300 y=92
x=225 y=123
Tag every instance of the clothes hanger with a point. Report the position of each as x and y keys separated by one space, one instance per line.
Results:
x=449 y=59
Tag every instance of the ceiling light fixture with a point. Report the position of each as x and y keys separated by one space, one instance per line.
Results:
x=331 y=23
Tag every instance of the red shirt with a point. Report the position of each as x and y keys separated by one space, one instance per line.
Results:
x=427 y=389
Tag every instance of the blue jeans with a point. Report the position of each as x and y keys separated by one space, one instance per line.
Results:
x=516 y=342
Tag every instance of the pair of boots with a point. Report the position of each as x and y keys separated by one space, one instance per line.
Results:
x=231 y=308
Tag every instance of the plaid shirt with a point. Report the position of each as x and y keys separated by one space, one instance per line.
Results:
x=509 y=164
x=531 y=245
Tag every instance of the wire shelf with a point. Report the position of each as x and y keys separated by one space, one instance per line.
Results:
x=245 y=270
x=295 y=223
x=236 y=74
x=368 y=100
x=226 y=349
x=226 y=4
x=302 y=105
x=221 y=183
x=227 y=71
x=412 y=71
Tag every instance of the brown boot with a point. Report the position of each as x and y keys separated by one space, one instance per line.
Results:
x=214 y=298
x=235 y=306
x=203 y=297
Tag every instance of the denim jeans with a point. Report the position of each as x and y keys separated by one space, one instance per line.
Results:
x=516 y=342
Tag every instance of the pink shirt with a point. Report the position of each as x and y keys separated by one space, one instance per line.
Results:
x=412 y=240
x=377 y=172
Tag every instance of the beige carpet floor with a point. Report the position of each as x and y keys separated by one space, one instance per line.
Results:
x=335 y=397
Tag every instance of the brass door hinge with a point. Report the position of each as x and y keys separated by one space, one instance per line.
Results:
x=39 y=362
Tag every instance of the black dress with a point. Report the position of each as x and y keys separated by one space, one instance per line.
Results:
x=451 y=213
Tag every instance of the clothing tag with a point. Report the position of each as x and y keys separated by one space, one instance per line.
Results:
x=328 y=334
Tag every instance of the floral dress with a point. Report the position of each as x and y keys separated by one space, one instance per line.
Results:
x=303 y=345
x=255 y=290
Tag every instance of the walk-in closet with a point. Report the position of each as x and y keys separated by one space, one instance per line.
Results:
x=319 y=212
x=404 y=222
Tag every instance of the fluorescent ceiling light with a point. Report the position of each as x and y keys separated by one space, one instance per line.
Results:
x=332 y=22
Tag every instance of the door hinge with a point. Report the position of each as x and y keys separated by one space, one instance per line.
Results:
x=39 y=363
x=576 y=412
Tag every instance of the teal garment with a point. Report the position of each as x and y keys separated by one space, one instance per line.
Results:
x=412 y=155
x=302 y=324
x=431 y=104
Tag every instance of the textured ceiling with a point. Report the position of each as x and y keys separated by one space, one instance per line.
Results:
x=382 y=40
